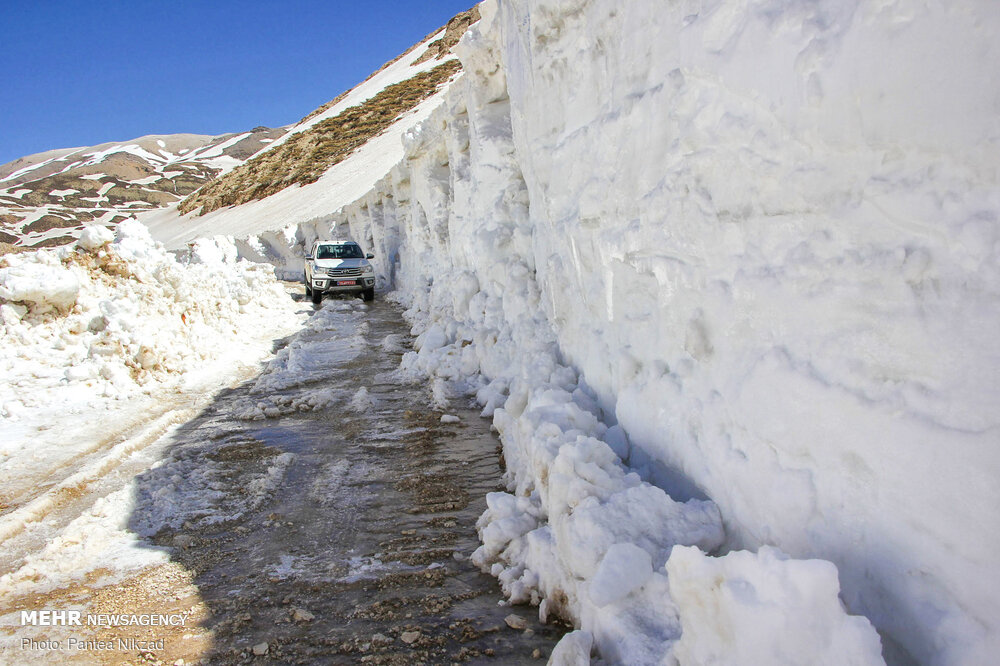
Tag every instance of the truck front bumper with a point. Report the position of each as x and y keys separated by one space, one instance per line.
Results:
x=345 y=285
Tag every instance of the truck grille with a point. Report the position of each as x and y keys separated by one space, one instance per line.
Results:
x=343 y=272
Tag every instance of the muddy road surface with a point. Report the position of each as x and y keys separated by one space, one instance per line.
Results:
x=321 y=513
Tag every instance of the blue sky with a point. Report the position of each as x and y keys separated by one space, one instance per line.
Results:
x=84 y=73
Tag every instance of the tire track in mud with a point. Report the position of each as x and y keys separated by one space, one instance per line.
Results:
x=97 y=464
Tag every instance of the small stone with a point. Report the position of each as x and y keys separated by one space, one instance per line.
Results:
x=409 y=637
x=516 y=622
x=179 y=662
x=183 y=541
x=536 y=654
x=529 y=632
x=381 y=639
x=260 y=649
x=302 y=615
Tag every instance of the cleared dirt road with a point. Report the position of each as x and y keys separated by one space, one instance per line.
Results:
x=320 y=513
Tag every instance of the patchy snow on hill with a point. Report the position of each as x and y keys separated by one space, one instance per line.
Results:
x=46 y=200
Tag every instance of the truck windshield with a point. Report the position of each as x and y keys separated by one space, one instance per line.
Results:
x=339 y=252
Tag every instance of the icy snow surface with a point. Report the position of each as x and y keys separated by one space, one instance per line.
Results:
x=725 y=275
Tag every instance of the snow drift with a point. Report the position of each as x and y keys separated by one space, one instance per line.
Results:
x=111 y=319
x=725 y=274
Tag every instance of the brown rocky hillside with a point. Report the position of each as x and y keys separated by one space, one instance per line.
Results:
x=304 y=157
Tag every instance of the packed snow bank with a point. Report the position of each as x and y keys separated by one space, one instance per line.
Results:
x=87 y=329
x=759 y=240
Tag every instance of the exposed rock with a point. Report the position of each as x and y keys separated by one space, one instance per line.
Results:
x=109 y=182
x=183 y=541
x=516 y=622
x=454 y=30
x=302 y=615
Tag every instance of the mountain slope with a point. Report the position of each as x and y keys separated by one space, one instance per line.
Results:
x=330 y=158
x=309 y=154
x=46 y=199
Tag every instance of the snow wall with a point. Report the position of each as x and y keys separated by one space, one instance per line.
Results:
x=758 y=239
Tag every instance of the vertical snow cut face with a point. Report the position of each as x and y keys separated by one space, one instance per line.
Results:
x=744 y=251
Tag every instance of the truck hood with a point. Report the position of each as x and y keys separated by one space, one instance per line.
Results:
x=340 y=263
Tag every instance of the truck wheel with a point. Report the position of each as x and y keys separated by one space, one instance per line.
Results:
x=368 y=294
x=317 y=296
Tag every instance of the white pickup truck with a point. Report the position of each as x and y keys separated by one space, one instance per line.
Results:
x=339 y=267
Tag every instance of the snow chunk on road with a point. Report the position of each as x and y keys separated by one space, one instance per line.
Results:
x=95 y=237
x=765 y=608
x=41 y=285
x=361 y=400
x=573 y=649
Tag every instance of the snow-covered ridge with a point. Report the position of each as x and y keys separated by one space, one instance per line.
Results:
x=304 y=158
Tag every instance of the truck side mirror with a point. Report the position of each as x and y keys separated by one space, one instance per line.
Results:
x=309 y=257
x=369 y=256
